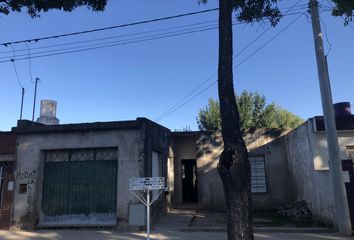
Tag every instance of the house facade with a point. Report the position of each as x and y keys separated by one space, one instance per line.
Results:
x=305 y=152
x=196 y=179
x=64 y=175
x=78 y=174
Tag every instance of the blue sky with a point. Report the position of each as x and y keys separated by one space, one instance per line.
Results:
x=145 y=79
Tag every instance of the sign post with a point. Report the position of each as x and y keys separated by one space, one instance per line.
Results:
x=147 y=185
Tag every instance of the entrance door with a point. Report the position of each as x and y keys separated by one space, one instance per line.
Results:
x=189 y=181
x=347 y=165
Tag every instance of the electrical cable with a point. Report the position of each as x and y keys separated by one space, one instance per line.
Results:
x=110 y=27
x=191 y=30
x=238 y=65
x=114 y=43
x=15 y=69
x=29 y=63
x=166 y=113
x=110 y=45
x=113 y=37
x=326 y=35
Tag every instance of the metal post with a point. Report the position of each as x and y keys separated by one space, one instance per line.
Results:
x=335 y=168
x=23 y=94
x=34 y=99
x=148 y=214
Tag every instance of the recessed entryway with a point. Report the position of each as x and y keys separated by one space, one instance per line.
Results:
x=189 y=181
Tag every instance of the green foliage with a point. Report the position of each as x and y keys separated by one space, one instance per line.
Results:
x=255 y=10
x=344 y=8
x=209 y=117
x=254 y=114
x=35 y=7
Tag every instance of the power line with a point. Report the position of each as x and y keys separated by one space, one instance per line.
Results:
x=191 y=30
x=176 y=105
x=238 y=65
x=111 y=27
x=29 y=63
x=113 y=37
x=110 y=45
x=15 y=69
x=116 y=43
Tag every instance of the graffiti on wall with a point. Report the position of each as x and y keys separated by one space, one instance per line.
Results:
x=26 y=177
x=26 y=180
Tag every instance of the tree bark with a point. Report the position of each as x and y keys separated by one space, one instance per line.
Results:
x=233 y=166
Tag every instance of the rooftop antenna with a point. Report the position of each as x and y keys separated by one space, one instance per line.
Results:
x=23 y=94
x=34 y=99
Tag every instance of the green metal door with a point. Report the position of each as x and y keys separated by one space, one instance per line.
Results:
x=80 y=187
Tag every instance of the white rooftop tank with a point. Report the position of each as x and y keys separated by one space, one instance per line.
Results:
x=48 y=113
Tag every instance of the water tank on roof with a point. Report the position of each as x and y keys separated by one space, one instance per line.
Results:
x=342 y=109
x=48 y=113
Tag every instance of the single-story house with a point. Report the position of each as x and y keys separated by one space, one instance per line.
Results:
x=78 y=174
x=304 y=150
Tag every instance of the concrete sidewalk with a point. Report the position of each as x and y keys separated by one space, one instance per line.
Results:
x=157 y=235
x=190 y=220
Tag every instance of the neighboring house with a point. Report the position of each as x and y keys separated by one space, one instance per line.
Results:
x=78 y=174
x=7 y=158
x=305 y=154
x=196 y=180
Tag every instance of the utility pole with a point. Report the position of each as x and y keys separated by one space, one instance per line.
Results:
x=34 y=99
x=335 y=166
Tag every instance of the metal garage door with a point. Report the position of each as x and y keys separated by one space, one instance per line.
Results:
x=80 y=187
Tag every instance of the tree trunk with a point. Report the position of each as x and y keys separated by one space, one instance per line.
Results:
x=234 y=167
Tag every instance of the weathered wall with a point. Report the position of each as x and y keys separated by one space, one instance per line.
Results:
x=310 y=185
x=279 y=192
x=308 y=165
x=30 y=165
x=211 y=193
x=320 y=150
x=157 y=139
x=206 y=148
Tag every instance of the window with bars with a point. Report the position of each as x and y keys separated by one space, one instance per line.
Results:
x=258 y=175
x=76 y=155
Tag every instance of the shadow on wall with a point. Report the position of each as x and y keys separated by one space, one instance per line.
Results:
x=209 y=148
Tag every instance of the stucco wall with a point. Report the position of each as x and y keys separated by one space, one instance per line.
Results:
x=320 y=150
x=279 y=191
x=312 y=186
x=211 y=193
x=30 y=164
x=206 y=148
x=157 y=139
x=308 y=165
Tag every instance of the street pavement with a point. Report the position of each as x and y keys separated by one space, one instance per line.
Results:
x=182 y=224
x=160 y=235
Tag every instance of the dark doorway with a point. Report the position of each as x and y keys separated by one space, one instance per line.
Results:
x=6 y=193
x=347 y=165
x=189 y=181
